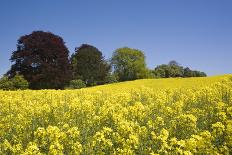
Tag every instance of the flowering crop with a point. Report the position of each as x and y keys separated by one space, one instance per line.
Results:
x=119 y=119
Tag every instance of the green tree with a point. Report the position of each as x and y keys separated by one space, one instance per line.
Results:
x=193 y=73
x=89 y=65
x=174 y=69
x=162 y=71
x=199 y=74
x=173 y=63
x=6 y=84
x=17 y=82
x=129 y=64
x=76 y=84
x=188 y=72
x=111 y=78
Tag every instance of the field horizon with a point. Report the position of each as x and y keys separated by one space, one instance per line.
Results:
x=164 y=83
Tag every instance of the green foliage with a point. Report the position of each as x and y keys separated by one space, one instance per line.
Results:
x=129 y=64
x=166 y=71
x=17 y=82
x=111 y=78
x=173 y=69
x=162 y=71
x=191 y=73
x=188 y=72
x=6 y=84
x=89 y=65
x=76 y=84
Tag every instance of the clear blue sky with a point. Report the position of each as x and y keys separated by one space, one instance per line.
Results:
x=196 y=33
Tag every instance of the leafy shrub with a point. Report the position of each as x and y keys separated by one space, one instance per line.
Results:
x=17 y=82
x=173 y=69
x=6 y=84
x=76 y=84
x=111 y=78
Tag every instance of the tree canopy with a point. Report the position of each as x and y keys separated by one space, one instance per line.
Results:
x=17 y=82
x=129 y=64
x=42 y=58
x=89 y=65
x=174 y=69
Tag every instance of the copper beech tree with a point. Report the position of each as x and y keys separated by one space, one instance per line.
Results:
x=42 y=58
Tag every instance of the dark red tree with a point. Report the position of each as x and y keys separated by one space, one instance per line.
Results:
x=42 y=58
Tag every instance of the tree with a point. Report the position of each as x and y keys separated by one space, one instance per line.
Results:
x=162 y=71
x=203 y=74
x=17 y=82
x=76 y=84
x=111 y=78
x=89 y=65
x=6 y=84
x=174 y=69
x=188 y=72
x=173 y=63
x=42 y=58
x=199 y=74
x=129 y=64
x=193 y=73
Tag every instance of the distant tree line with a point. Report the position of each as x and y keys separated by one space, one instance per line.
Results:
x=173 y=69
x=42 y=61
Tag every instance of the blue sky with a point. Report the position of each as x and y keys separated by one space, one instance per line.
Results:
x=196 y=33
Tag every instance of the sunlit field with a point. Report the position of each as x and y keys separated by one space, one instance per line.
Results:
x=153 y=116
x=163 y=83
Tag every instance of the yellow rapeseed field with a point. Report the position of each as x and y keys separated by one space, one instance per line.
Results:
x=153 y=116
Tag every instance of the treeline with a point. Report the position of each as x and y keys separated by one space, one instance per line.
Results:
x=173 y=69
x=42 y=61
